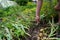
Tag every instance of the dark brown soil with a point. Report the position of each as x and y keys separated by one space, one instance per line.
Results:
x=34 y=30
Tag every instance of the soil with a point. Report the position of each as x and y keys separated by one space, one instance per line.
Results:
x=37 y=31
x=40 y=31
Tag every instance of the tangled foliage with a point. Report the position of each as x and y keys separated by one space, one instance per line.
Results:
x=14 y=21
x=22 y=2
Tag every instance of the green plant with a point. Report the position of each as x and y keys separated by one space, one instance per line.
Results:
x=16 y=19
x=54 y=28
x=21 y=2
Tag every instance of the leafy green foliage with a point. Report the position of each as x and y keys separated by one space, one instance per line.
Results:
x=16 y=20
x=54 y=28
x=22 y=2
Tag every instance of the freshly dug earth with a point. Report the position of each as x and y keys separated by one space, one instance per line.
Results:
x=37 y=32
x=40 y=31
